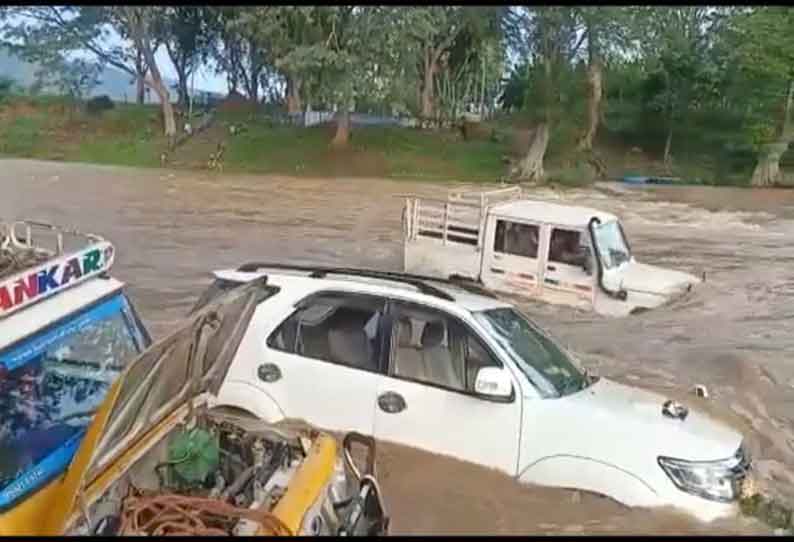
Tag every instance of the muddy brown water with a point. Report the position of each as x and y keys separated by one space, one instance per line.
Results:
x=733 y=334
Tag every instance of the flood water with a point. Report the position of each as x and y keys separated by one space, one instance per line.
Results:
x=733 y=334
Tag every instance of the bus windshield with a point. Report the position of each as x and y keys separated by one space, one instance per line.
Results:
x=51 y=384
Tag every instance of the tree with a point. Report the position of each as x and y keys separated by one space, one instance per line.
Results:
x=514 y=87
x=140 y=26
x=428 y=35
x=548 y=36
x=187 y=39
x=238 y=51
x=47 y=34
x=74 y=79
x=676 y=50
x=338 y=50
x=468 y=73
x=350 y=54
x=608 y=32
x=764 y=42
x=290 y=37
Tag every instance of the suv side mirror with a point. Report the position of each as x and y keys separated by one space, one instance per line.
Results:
x=493 y=383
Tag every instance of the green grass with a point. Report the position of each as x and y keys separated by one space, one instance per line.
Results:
x=373 y=151
x=21 y=136
x=48 y=127
x=129 y=135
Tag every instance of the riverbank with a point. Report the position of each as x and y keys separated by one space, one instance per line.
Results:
x=53 y=128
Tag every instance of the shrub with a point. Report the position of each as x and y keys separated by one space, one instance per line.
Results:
x=99 y=104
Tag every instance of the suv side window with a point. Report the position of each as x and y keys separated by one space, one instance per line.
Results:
x=516 y=239
x=334 y=327
x=434 y=348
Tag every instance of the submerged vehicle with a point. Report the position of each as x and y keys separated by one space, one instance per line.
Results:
x=67 y=330
x=446 y=367
x=161 y=458
x=559 y=254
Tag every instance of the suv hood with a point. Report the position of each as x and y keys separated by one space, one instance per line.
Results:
x=651 y=279
x=624 y=426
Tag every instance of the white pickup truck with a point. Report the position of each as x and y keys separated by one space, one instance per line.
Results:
x=67 y=330
x=559 y=254
x=444 y=366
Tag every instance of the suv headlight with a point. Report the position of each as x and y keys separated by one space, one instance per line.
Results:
x=719 y=480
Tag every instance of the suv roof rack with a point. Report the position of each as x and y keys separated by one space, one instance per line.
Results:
x=35 y=263
x=418 y=281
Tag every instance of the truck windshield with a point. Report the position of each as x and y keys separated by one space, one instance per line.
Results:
x=51 y=383
x=612 y=246
x=545 y=364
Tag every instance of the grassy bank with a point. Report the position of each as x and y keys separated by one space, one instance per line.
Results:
x=130 y=135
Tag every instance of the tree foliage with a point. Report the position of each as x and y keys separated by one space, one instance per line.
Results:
x=668 y=75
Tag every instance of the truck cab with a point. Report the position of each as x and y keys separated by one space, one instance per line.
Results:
x=67 y=330
x=560 y=254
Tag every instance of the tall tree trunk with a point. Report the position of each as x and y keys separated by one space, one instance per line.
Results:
x=232 y=81
x=140 y=91
x=180 y=62
x=161 y=89
x=594 y=95
x=428 y=87
x=668 y=144
x=142 y=39
x=140 y=77
x=342 y=136
x=531 y=166
x=294 y=103
x=767 y=169
x=595 y=89
x=183 y=95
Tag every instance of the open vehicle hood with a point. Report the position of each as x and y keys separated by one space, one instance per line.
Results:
x=178 y=368
x=651 y=279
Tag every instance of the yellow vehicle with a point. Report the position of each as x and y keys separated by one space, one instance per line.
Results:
x=159 y=458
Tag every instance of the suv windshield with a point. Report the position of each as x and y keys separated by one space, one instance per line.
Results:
x=50 y=385
x=611 y=244
x=542 y=361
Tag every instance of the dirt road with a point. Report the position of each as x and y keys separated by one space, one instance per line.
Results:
x=733 y=334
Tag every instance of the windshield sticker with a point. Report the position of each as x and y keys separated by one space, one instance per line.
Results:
x=43 y=471
x=54 y=276
x=16 y=357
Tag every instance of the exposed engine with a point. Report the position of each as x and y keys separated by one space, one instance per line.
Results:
x=224 y=474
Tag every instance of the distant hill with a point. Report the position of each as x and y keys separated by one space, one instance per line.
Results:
x=115 y=83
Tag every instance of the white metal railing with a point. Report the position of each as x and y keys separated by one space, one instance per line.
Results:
x=41 y=237
x=38 y=260
x=458 y=219
x=486 y=198
x=446 y=220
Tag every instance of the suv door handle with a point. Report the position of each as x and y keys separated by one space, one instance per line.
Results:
x=551 y=268
x=391 y=402
x=268 y=372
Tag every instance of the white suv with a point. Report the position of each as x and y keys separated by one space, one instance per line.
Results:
x=446 y=367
